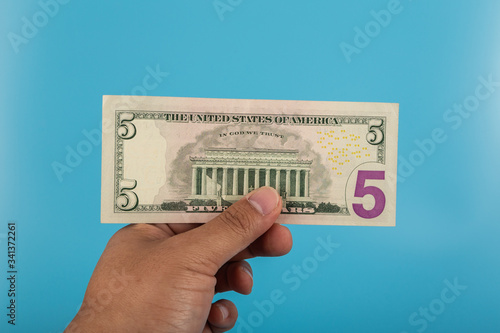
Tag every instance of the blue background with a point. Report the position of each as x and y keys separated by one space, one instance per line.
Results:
x=428 y=58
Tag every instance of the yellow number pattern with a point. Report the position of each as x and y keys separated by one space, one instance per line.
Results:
x=342 y=148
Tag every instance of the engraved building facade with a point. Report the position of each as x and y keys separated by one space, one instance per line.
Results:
x=231 y=173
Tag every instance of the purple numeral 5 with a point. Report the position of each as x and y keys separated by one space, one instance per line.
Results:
x=362 y=190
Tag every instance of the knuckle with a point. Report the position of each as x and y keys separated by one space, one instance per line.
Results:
x=238 y=219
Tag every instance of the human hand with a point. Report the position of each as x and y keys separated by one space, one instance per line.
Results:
x=163 y=277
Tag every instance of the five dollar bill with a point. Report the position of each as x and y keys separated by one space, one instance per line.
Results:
x=180 y=160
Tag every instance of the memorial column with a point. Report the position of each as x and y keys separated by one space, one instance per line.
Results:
x=193 y=180
x=204 y=180
x=224 y=181
x=268 y=177
x=257 y=178
x=278 y=176
x=297 y=183
x=245 y=181
x=214 y=181
x=306 y=184
x=235 y=181
x=287 y=184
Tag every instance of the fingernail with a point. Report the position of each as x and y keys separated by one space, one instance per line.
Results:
x=223 y=310
x=264 y=200
x=247 y=270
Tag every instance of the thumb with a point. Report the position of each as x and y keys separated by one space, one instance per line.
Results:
x=220 y=239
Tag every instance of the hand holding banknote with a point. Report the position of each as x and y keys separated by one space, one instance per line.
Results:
x=163 y=277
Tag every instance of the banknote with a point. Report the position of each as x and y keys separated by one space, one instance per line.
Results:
x=180 y=160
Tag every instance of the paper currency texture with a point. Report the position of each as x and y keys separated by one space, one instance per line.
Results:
x=179 y=160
